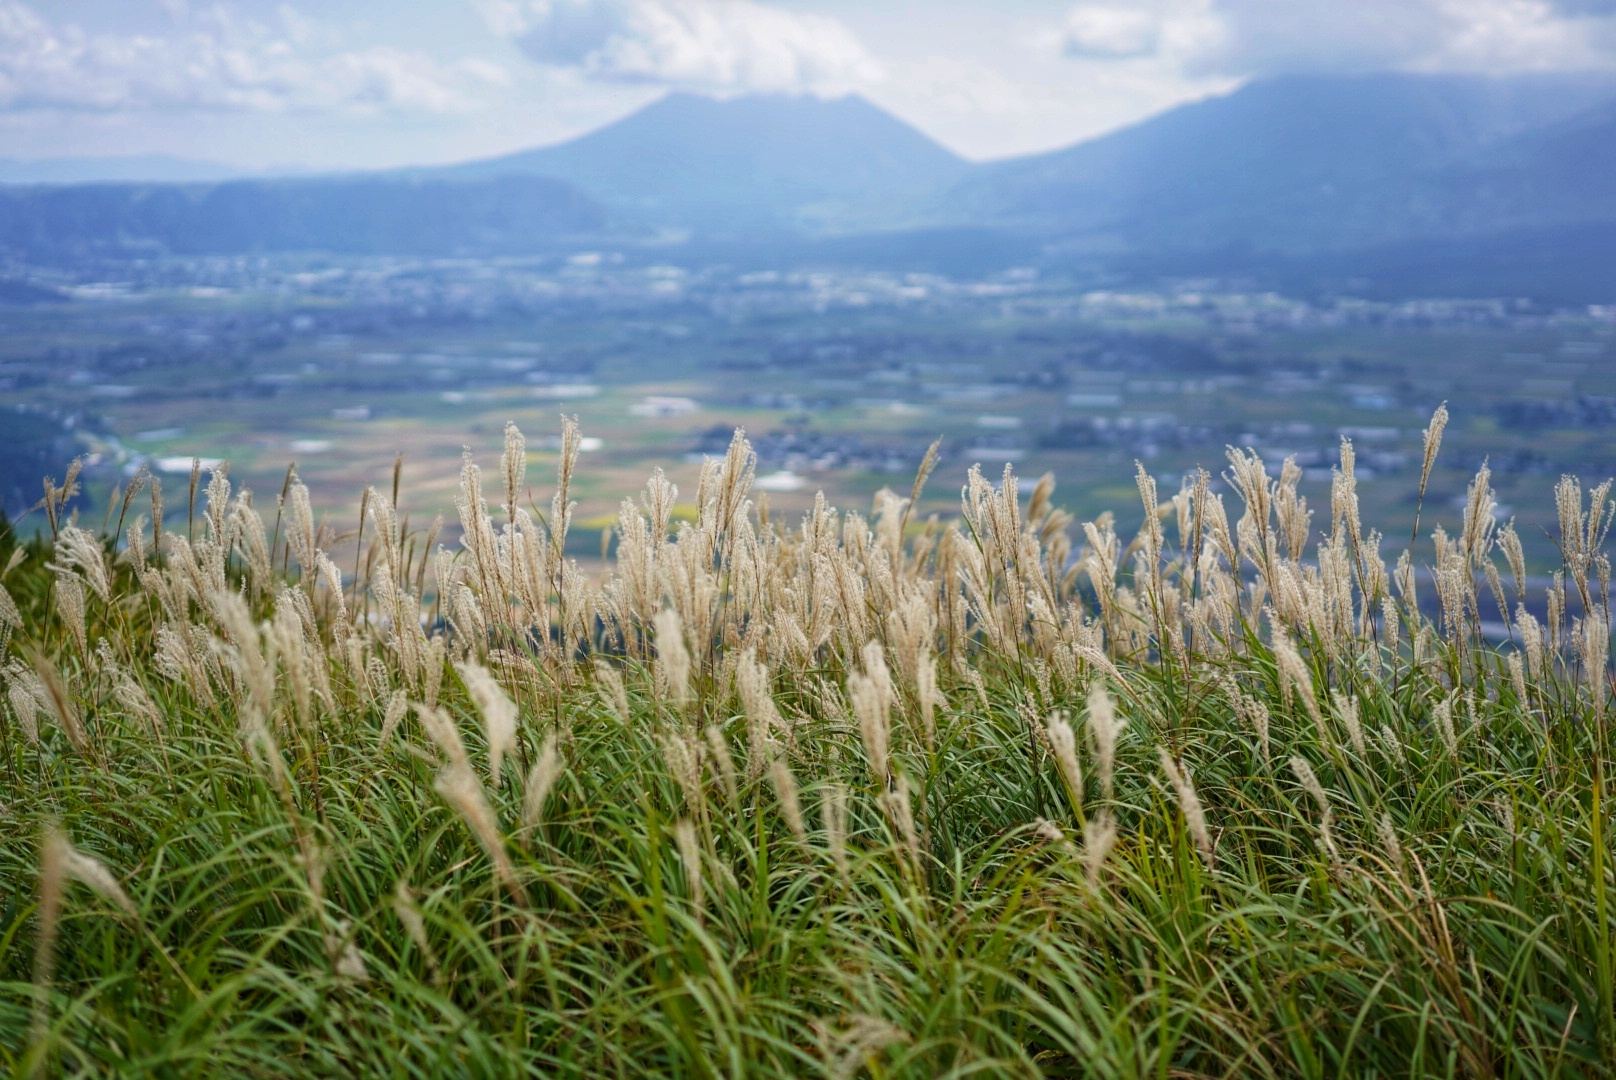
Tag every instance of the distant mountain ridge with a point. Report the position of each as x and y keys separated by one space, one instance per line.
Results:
x=1312 y=163
x=1323 y=182
x=773 y=162
x=134 y=168
x=365 y=215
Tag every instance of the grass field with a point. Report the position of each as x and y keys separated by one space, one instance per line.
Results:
x=815 y=795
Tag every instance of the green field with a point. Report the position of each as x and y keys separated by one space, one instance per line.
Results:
x=825 y=795
x=342 y=370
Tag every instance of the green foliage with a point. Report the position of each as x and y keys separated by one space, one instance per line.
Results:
x=306 y=894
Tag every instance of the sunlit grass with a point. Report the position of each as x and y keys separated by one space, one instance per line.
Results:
x=810 y=797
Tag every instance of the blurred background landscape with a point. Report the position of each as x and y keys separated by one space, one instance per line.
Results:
x=1067 y=239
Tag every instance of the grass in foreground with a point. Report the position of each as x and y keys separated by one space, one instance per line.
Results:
x=833 y=798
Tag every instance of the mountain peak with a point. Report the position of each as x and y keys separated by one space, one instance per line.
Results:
x=769 y=161
x=1298 y=162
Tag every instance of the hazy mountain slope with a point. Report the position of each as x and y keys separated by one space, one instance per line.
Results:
x=144 y=168
x=1563 y=172
x=1300 y=164
x=365 y=215
x=767 y=162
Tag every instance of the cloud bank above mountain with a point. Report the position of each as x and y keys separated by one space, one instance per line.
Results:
x=712 y=45
x=1256 y=37
x=222 y=59
x=354 y=83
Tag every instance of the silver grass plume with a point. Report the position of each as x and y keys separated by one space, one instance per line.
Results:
x=1189 y=803
x=1442 y=712
x=1346 y=707
x=1310 y=783
x=346 y=961
x=785 y=789
x=683 y=757
x=540 y=780
x=609 y=685
x=513 y=463
x=1295 y=678
x=440 y=727
x=684 y=837
x=1063 y=744
x=26 y=695
x=59 y=703
x=397 y=706
x=409 y=914
x=833 y=811
x=92 y=872
x=1595 y=648
x=1388 y=840
x=1432 y=440
x=901 y=813
x=1517 y=678
x=725 y=763
x=1105 y=727
x=52 y=878
x=459 y=787
x=762 y=715
x=871 y=696
x=673 y=659
x=499 y=714
x=1099 y=837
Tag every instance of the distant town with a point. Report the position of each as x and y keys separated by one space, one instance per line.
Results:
x=842 y=378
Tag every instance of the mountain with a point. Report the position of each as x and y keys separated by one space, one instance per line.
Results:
x=1373 y=184
x=145 y=168
x=347 y=215
x=764 y=163
x=1308 y=164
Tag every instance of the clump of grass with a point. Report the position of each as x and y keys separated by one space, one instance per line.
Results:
x=843 y=796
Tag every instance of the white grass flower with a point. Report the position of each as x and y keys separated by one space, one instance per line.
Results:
x=1442 y=713
x=1189 y=803
x=871 y=697
x=683 y=757
x=397 y=706
x=684 y=837
x=346 y=961
x=1346 y=707
x=613 y=695
x=1388 y=840
x=409 y=914
x=59 y=703
x=1517 y=678
x=1064 y=746
x=723 y=761
x=499 y=714
x=901 y=813
x=1105 y=728
x=440 y=727
x=1099 y=837
x=673 y=659
x=752 y=685
x=459 y=787
x=1310 y=783
x=833 y=812
x=92 y=872
x=26 y=695
x=540 y=780
x=785 y=789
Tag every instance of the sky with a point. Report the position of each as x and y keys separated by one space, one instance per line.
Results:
x=339 y=84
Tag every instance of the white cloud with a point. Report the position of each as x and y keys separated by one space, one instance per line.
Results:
x=716 y=45
x=1104 y=30
x=1255 y=37
x=219 y=60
